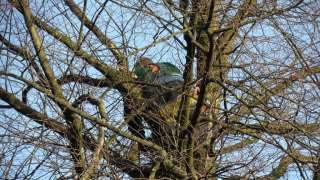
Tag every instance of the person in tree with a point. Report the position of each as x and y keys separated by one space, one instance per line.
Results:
x=162 y=83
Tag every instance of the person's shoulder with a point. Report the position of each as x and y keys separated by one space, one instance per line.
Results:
x=167 y=66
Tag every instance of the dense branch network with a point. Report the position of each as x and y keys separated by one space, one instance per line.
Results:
x=219 y=108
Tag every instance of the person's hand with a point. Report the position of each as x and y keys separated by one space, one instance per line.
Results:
x=196 y=89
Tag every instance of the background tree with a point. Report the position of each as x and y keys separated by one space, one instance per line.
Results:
x=72 y=108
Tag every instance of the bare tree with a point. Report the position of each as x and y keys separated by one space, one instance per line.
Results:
x=73 y=108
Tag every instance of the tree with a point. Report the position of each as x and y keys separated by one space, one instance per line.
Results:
x=71 y=106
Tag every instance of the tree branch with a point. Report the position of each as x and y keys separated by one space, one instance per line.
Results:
x=122 y=60
x=109 y=72
x=31 y=113
x=38 y=45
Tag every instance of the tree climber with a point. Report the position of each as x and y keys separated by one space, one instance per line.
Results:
x=161 y=82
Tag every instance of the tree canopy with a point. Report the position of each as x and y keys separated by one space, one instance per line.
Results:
x=72 y=107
